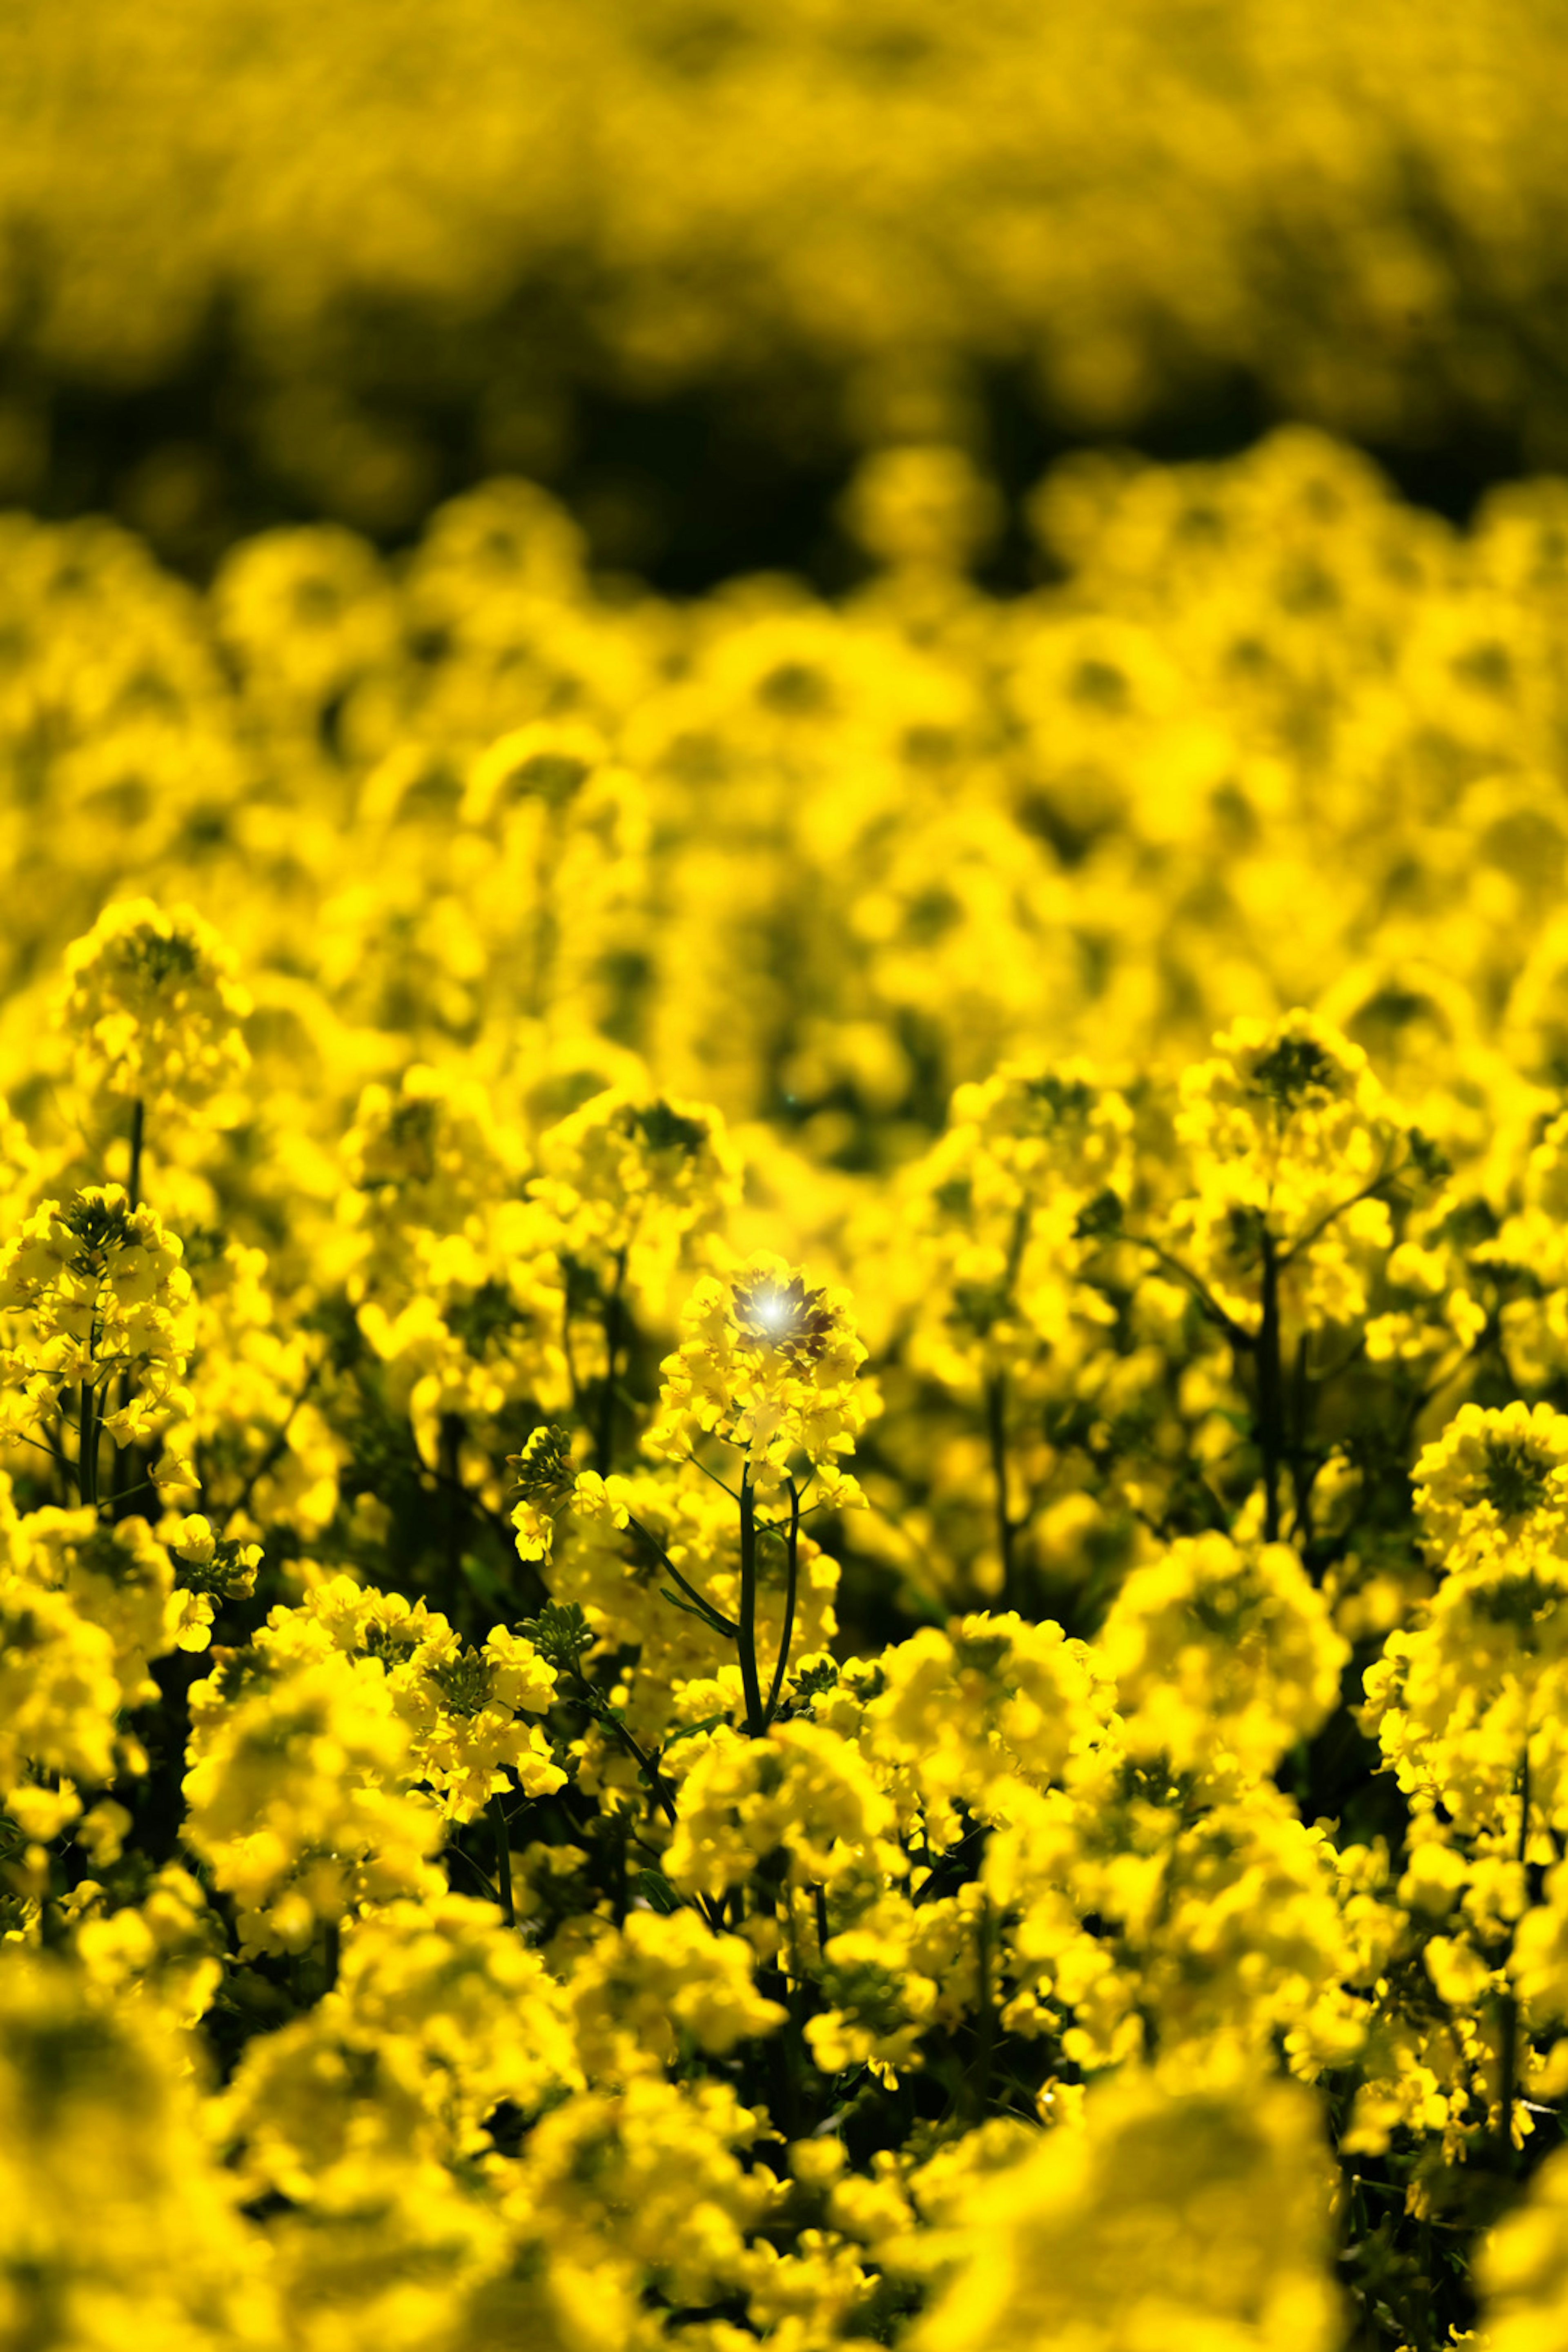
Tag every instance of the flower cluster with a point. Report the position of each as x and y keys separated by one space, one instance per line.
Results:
x=153 y=1006
x=101 y=1291
x=769 y=1366
x=1178 y=2213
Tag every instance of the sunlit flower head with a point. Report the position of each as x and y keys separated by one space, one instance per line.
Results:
x=770 y=1365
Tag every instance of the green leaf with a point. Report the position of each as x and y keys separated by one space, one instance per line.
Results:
x=689 y=1730
x=706 y=1615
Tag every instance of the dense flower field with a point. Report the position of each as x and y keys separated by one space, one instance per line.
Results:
x=784 y=1393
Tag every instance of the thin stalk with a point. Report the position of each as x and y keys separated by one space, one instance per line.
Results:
x=503 y=1859
x=622 y=1826
x=124 y=1455
x=1508 y=2063
x=1507 y=2049
x=138 y=1128
x=1303 y=1242
x=1006 y=1527
x=792 y=1579
x=797 y=1994
x=1271 y=1388
x=1301 y=1420
x=783 y=2056
x=746 y=1631
x=88 y=1422
x=87 y=1447
x=615 y=1316
x=979 y=2084
x=645 y=1762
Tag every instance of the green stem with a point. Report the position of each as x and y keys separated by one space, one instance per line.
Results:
x=125 y=1456
x=1303 y=1242
x=1007 y=1528
x=503 y=1859
x=979 y=2086
x=615 y=1316
x=1300 y=1422
x=620 y=1828
x=1271 y=1386
x=1508 y=2004
x=645 y=1762
x=792 y=1579
x=450 y=1457
x=87 y=1447
x=746 y=1631
x=1508 y=2063
x=138 y=1123
x=88 y=1424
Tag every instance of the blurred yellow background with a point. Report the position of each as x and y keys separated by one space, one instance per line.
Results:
x=371 y=253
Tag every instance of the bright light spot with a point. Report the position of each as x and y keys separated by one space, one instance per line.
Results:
x=773 y=1310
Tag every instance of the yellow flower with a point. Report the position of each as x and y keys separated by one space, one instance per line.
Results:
x=635 y=1995
x=803 y=1789
x=638 y=1174
x=60 y=1679
x=769 y=1365
x=1222 y=1654
x=1176 y=2216
x=297 y=1794
x=1495 y=1479
x=112 y=2202
x=154 y=1007
x=1521 y=2268
x=461 y=1708
x=106 y=1293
